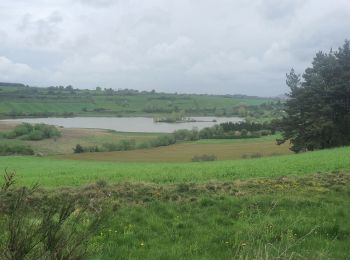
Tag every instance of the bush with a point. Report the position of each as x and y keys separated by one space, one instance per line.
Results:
x=163 y=140
x=47 y=131
x=35 y=135
x=123 y=145
x=35 y=132
x=92 y=149
x=203 y=158
x=6 y=149
x=49 y=228
x=23 y=129
x=186 y=135
x=78 y=149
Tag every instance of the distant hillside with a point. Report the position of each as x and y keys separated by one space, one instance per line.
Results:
x=18 y=100
x=6 y=84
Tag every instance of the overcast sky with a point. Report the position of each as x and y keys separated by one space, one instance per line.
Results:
x=186 y=46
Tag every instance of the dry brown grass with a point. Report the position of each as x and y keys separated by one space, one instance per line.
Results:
x=185 y=151
x=7 y=126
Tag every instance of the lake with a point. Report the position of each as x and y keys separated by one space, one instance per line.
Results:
x=128 y=124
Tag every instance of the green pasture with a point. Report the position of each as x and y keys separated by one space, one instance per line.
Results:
x=50 y=172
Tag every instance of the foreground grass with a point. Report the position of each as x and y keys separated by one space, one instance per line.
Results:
x=292 y=223
x=53 y=172
x=304 y=217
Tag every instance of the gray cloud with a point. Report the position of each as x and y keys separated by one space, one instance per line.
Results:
x=179 y=46
x=98 y=3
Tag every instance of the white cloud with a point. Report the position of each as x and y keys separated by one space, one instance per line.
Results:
x=9 y=67
x=185 y=45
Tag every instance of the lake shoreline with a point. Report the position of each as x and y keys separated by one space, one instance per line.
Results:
x=127 y=124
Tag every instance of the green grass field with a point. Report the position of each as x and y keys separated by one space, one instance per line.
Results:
x=298 y=221
x=283 y=207
x=54 y=172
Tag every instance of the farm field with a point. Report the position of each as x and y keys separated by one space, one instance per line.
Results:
x=184 y=152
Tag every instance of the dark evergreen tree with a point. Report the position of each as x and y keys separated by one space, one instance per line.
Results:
x=318 y=111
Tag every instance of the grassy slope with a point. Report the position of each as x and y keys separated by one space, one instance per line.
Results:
x=53 y=172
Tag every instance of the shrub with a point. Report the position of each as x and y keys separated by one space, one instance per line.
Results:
x=163 y=140
x=35 y=135
x=78 y=149
x=186 y=135
x=143 y=145
x=48 y=131
x=203 y=158
x=49 y=228
x=91 y=149
x=6 y=149
x=23 y=129
x=123 y=145
x=35 y=132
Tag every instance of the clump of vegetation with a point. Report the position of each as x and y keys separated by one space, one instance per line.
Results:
x=15 y=149
x=186 y=135
x=204 y=158
x=223 y=131
x=78 y=149
x=26 y=131
x=50 y=228
x=174 y=117
x=123 y=145
x=127 y=145
x=163 y=140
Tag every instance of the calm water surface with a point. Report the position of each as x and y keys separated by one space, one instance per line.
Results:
x=129 y=124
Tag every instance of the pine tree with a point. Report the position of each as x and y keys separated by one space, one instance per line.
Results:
x=318 y=111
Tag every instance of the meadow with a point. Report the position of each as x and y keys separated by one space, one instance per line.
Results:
x=276 y=219
x=51 y=172
x=282 y=207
